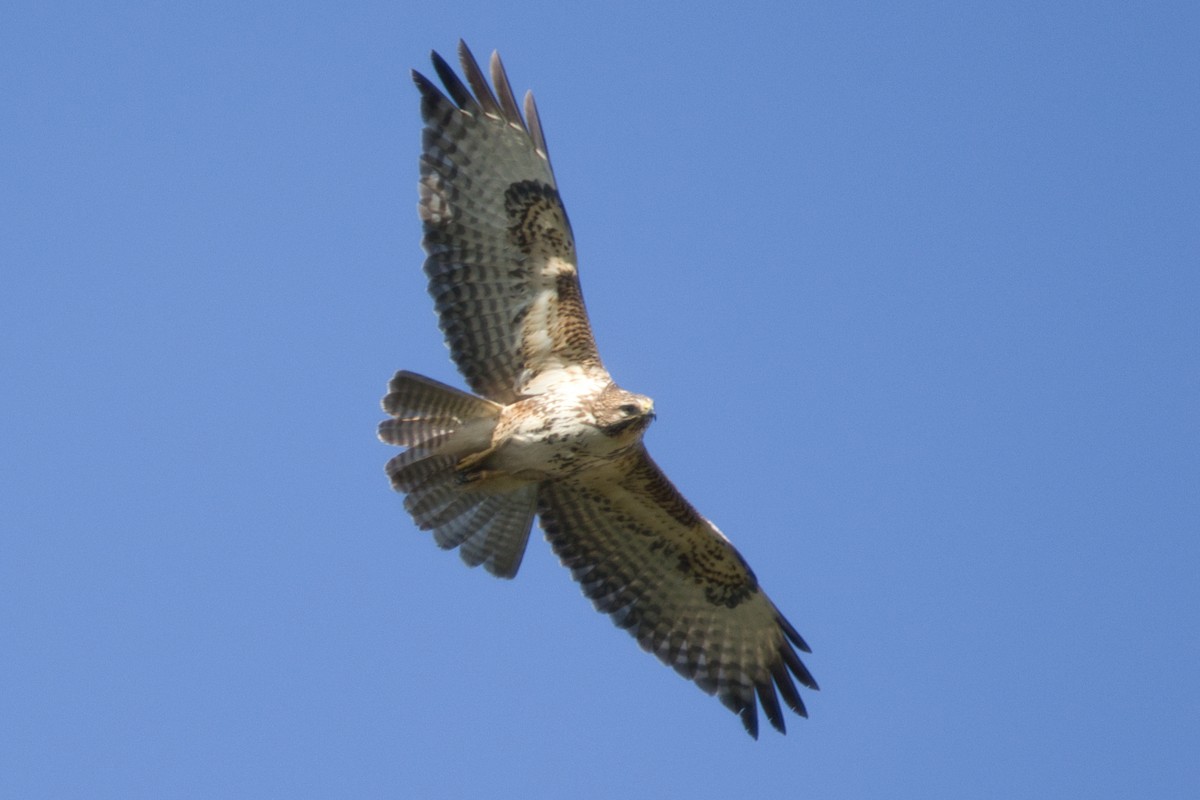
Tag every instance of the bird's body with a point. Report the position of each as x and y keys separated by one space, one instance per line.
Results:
x=549 y=432
x=571 y=429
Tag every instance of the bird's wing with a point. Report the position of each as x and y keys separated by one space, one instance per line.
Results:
x=501 y=257
x=645 y=556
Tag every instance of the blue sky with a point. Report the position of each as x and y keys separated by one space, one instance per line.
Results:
x=914 y=288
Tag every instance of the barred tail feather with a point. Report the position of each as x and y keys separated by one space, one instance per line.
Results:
x=423 y=410
x=498 y=542
x=489 y=521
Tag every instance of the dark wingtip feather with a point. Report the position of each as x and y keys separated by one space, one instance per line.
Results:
x=426 y=86
x=749 y=715
x=454 y=85
x=475 y=77
x=787 y=688
x=797 y=667
x=533 y=121
x=504 y=92
x=478 y=96
x=792 y=633
x=770 y=704
x=432 y=99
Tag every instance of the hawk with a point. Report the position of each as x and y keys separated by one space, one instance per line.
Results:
x=547 y=432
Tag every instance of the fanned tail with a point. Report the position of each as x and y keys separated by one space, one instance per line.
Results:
x=488 y=521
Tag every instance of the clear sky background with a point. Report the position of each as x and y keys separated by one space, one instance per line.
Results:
x=914 y=287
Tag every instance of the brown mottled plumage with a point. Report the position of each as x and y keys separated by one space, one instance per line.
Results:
x=551 y=433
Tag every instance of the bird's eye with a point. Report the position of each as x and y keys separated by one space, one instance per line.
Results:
x=630 y=409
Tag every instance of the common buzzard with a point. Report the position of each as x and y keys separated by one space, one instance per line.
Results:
x=547 y=431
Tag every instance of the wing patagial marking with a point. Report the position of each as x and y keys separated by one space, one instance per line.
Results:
x=538 y=224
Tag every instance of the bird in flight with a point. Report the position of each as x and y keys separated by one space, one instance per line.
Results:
x=547 y=431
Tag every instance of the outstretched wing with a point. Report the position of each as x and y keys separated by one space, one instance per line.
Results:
x=666 y=574
x=501 y=262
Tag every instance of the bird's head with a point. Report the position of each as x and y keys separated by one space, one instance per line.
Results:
x=622 y=414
